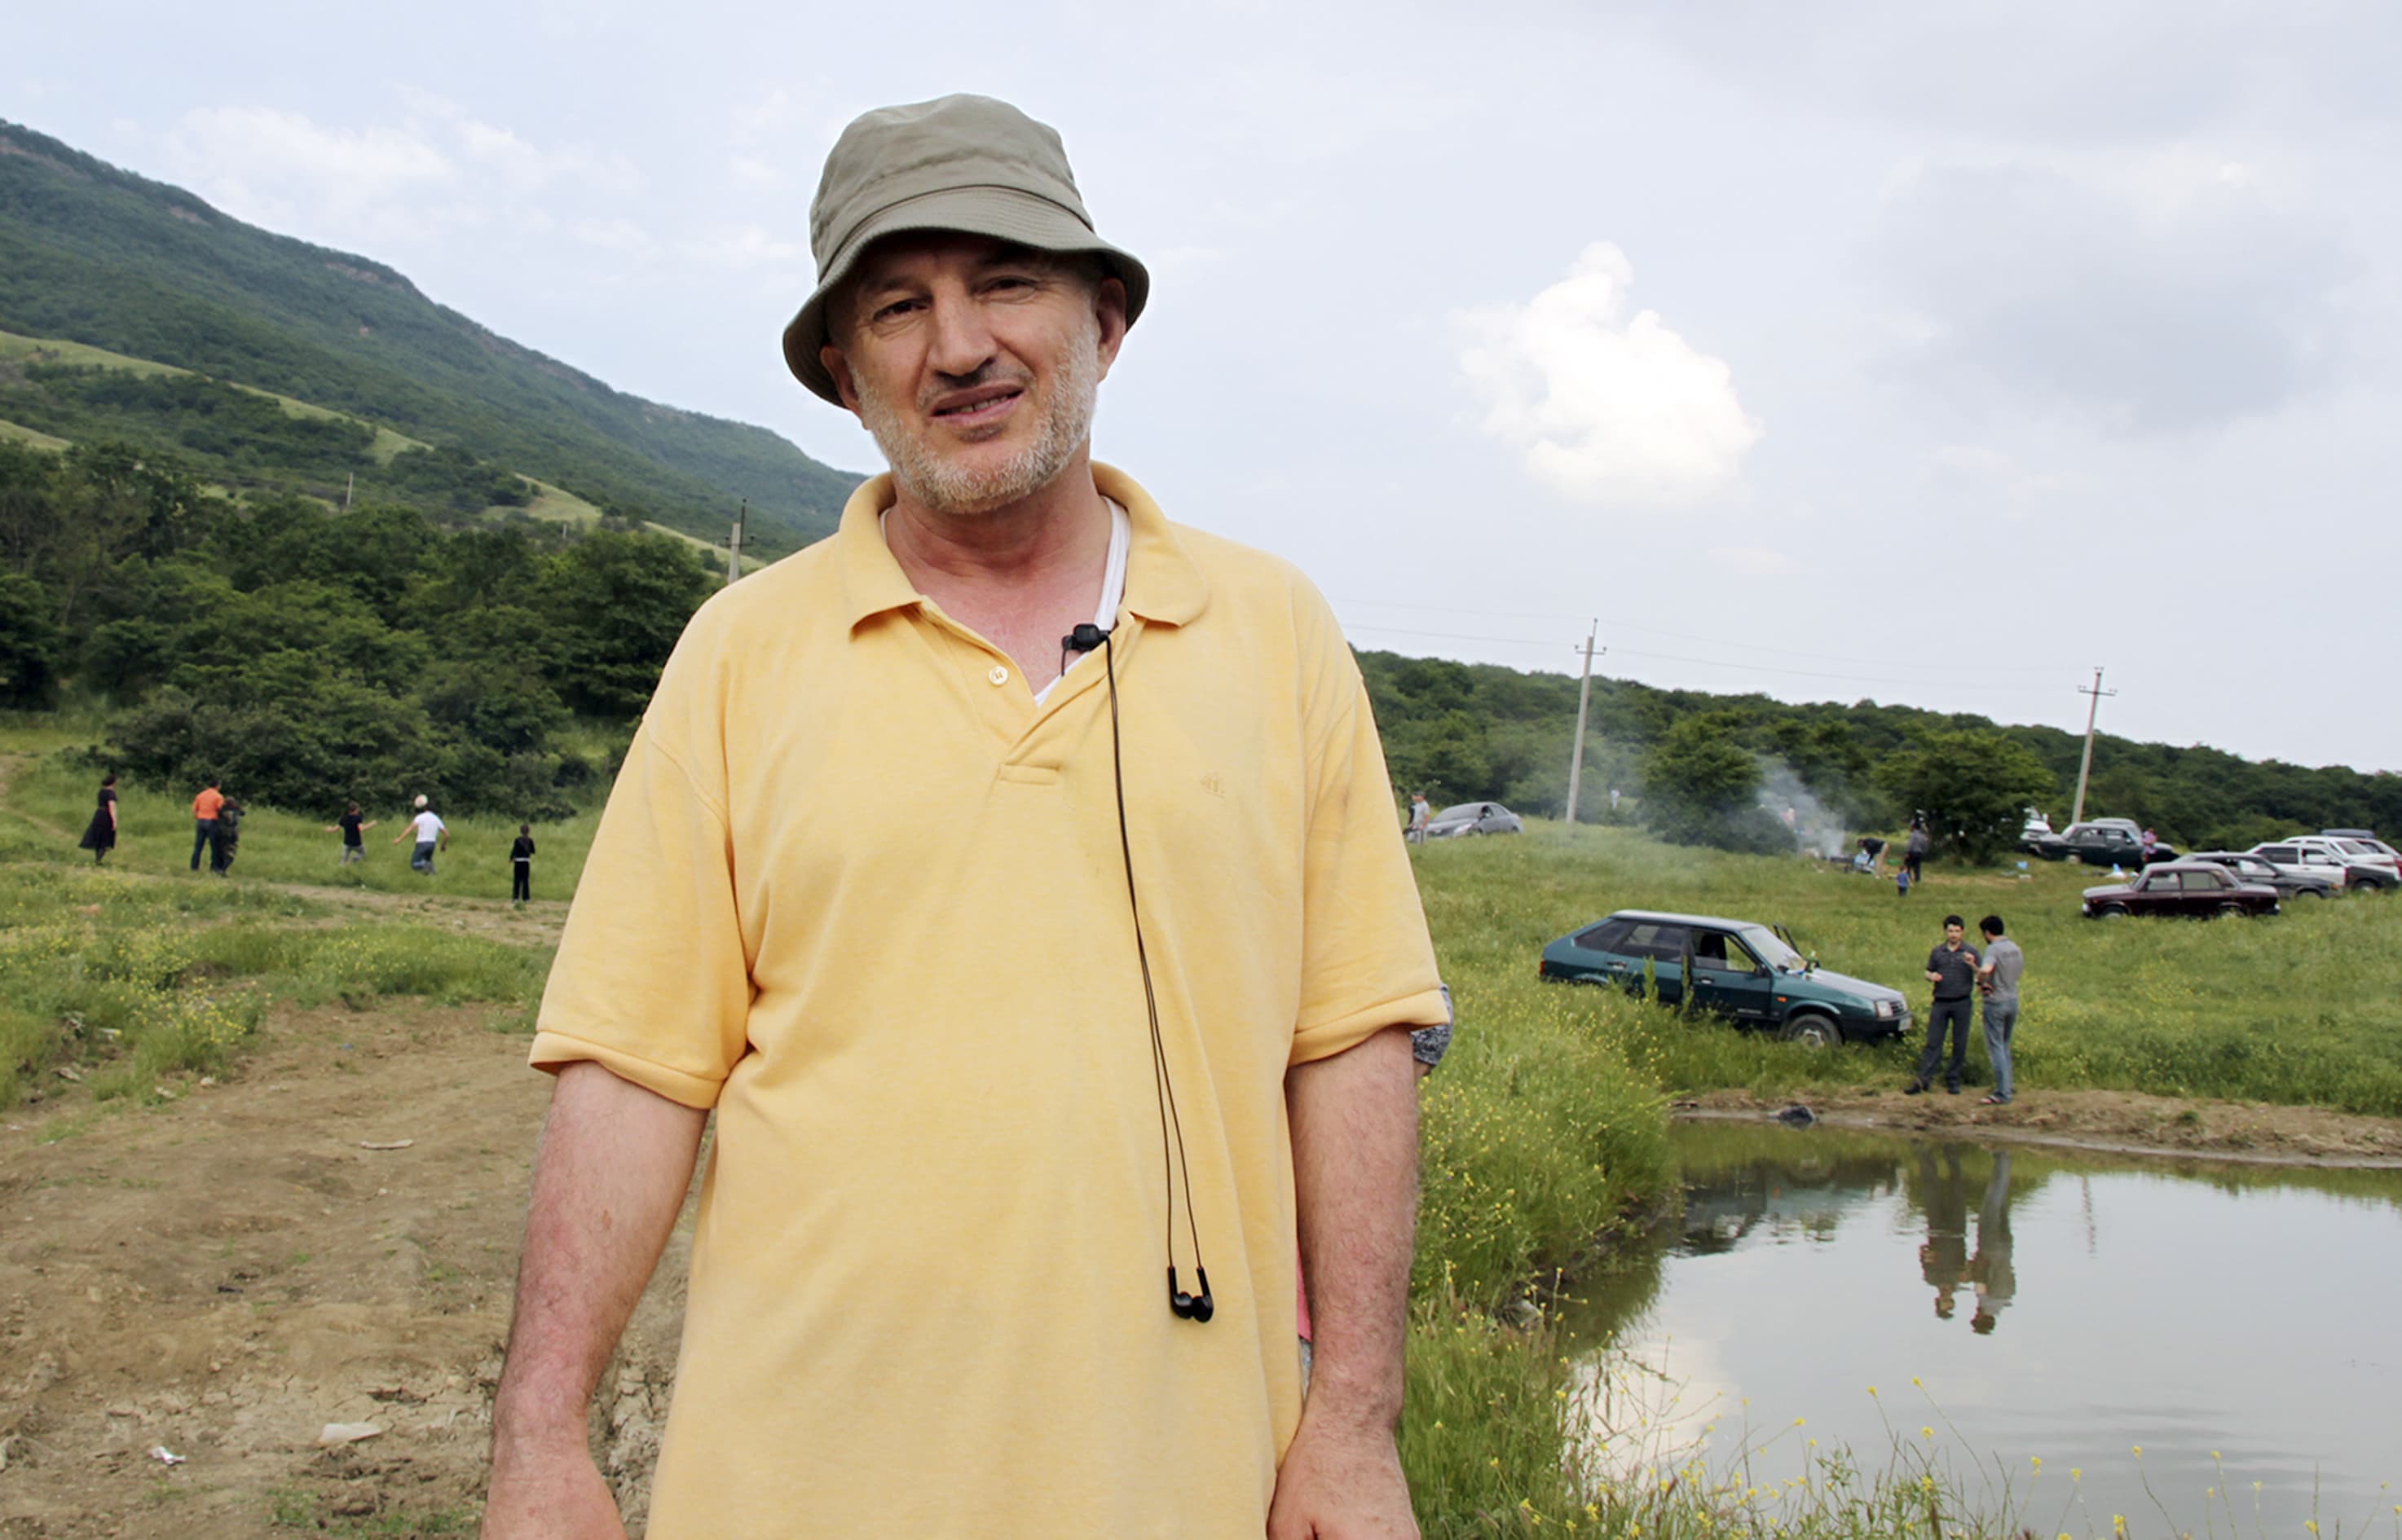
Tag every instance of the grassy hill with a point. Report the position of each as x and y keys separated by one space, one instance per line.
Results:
x=94 y=254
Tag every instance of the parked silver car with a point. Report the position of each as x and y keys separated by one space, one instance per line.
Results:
x=2292 y=882
x=1473 y=817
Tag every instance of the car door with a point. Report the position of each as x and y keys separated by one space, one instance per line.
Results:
x=1597 y=955
x=1729 y=980
x=1661 y=943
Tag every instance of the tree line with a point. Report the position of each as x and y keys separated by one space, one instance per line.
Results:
x=311 y=657
x=1719 y=769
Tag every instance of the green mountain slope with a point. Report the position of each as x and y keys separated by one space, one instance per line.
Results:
x=99 y=255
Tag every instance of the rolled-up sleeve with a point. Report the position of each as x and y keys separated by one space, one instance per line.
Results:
x=1367 y=961
x=652 y=980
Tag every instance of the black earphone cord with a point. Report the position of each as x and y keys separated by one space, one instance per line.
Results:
x=1189 y=1307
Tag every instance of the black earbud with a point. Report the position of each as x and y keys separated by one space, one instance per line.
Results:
x=1185 y=1307
x=1191 y=1307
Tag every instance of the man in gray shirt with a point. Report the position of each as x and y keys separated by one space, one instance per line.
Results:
x=1998 y=975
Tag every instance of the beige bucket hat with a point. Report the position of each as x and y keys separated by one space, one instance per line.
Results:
x=965 y=163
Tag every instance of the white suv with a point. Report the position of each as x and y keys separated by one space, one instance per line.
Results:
x=2364 y=866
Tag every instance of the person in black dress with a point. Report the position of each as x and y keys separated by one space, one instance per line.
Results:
x=100 y=835
x=522 y=866
x=227 y=842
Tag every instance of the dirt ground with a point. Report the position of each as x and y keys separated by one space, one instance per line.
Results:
x=221 y=1276
x=2110 y=1122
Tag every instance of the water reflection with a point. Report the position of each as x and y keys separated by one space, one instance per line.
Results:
x=2245 y=1311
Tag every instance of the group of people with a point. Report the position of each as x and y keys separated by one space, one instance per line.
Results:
x=1959 y=974
x=217 y=833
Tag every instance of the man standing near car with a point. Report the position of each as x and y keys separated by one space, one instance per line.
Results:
x=1997 y=975
x=930 y=1286
x=1952 y=967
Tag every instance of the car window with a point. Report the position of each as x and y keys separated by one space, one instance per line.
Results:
x=1651 y=939
x=2160 y=882
x=1464 y=810
x=1769 y=948
x=1716 y=949
x=2255 y=871
x=2354 y=847
x=2205 y=882
x=2277 y=853
x=1608 y=936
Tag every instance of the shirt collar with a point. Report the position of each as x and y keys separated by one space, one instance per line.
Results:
x=1162 y=584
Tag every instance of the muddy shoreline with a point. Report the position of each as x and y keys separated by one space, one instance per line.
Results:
x=2103 y=1123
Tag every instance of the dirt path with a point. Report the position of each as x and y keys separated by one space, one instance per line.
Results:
x=221 y=1276
x=2115 y=1123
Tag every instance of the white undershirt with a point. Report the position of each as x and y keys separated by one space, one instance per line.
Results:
x=1112 y=586
x=1105 y=614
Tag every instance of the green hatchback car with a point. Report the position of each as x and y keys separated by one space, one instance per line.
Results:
x=1747 y=972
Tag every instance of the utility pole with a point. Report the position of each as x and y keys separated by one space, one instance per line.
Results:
x=734 y=545
x=1584 y=697
x=2084 y=769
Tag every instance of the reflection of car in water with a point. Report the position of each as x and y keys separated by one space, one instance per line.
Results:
x=1740 y=969
x=1473 y=817
x=1787 y=1194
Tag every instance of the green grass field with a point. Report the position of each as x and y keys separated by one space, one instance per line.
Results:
x=51 y=802
x=1544 y=1132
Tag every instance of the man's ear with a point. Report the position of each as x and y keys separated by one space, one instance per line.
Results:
x=840 y=366
x=1110 y=310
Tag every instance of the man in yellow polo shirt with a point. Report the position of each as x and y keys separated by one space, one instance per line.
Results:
x=1014 y=875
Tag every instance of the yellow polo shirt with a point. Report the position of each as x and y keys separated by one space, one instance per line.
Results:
x=858 y=892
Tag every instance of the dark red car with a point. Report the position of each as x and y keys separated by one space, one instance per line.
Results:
x=2181 y=887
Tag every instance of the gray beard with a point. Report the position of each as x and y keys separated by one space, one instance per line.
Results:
x=944 y=487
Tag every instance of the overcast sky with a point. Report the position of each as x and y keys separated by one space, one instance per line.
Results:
x=1927 y=355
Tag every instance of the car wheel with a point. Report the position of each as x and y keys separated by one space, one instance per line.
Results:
x=2310 y=893
x=2235 y=910
x=2111 y=912
x=1813 y=1030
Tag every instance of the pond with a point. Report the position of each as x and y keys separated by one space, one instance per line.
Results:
x=2033 y=1312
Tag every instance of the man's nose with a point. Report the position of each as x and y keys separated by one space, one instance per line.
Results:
x=963 y=340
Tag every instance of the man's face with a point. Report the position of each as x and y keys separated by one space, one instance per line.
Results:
x=1953 y=935
x=975 y=363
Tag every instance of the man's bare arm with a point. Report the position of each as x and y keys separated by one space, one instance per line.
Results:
x=611 y=1175
x=1355 y=1149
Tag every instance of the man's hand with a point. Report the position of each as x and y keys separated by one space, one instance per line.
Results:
x=555 y=1495
x=1341 y=1484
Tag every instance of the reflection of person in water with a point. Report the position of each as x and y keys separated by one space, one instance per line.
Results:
x=1996 y=1279
x=1943 y=1261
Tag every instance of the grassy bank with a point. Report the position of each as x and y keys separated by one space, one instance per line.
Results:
x=112 y=985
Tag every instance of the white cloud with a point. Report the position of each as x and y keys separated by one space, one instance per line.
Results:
x=262 y=146
x=1758 y=560
x=743 y=246
x=1607 y=407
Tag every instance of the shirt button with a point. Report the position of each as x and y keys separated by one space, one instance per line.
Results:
x=998 y=675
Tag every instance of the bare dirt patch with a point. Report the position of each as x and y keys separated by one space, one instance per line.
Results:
x=2111 y=1121
x=221 y=1276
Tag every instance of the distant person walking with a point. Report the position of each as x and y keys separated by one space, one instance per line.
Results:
x=1998 y=976
x=2150 y=842
x=100 y=835
x=429 y=833
x=204 y=820
x=226 y=840
x=1420 y=815
x=522 y=866
x=1952 y=967
x=355 y=848
x=1614 y=799
x=1913 y=850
